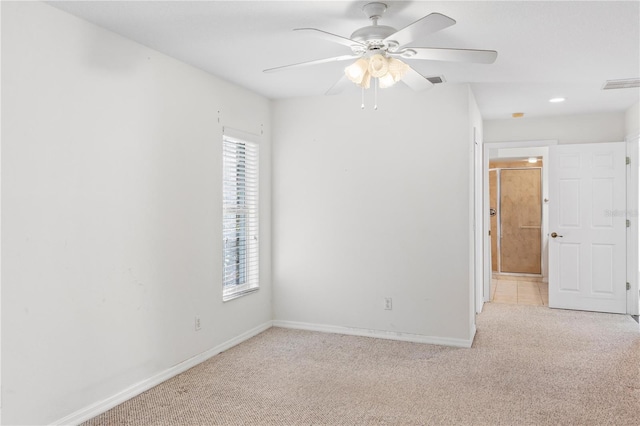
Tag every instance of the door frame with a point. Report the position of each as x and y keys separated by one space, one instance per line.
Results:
x=524 y=147
x=633 y=231
x=633 y=208
x=499 y=170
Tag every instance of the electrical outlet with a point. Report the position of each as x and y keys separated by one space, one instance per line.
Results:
x=197 y=324
x=388 y=303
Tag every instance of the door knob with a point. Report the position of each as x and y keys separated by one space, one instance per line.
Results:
x=553 y=235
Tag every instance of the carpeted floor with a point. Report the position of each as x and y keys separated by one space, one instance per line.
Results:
x=528 y=366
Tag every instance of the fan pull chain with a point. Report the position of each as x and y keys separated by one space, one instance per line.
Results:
x=375 y=94
x=362 y=106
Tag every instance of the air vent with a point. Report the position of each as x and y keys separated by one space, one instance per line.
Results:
x=436 y=80
x=627 y=83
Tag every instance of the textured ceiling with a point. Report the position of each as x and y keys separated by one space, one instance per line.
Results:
x=545 y=49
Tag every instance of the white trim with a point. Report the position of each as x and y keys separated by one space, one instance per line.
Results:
x=633 y=205
x=477 y=238
x=473 y=336
x=100 y=407
x=485 y=219
x=241 y=135
x=0 y=234
x=379 y=334
x=521 y=144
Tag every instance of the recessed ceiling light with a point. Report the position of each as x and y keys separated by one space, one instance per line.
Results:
x=556 y=100
x=517 y=115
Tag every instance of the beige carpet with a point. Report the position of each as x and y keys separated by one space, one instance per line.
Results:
x=528 y=366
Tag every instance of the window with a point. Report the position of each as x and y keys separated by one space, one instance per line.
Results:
x=239 y=217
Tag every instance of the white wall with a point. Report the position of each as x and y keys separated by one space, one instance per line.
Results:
x=632 y=120
x=111 y=218
x=475 y=122
x=587 y=128
x=373 y=204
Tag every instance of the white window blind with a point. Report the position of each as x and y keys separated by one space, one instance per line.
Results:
x=239 y=217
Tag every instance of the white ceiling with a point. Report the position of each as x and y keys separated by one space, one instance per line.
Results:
x=545 y=49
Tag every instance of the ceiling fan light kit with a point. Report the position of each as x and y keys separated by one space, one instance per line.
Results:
x=388 y=71
x=396 y=70
x=358 y=72
x=377 y=49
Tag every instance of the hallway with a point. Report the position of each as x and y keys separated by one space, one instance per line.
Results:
x=519 y=290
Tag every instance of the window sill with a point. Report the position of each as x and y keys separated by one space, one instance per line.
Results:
x=238 y=293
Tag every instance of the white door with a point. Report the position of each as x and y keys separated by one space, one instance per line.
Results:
x=587 y=227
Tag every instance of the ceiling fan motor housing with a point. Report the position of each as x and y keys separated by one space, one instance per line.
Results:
x=372 y=33
x=374 y=38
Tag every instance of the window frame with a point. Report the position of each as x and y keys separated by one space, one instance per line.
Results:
x=240 y=214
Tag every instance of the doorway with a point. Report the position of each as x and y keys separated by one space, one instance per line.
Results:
x=602 y=209
x=505 y=281
x=515 y=193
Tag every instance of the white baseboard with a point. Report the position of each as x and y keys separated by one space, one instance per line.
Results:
x=473 y=335
x=100 y=407
x=380 y=334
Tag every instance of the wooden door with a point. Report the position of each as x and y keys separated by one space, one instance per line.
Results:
x=520 y=220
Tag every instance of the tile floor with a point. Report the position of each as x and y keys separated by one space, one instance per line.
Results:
x=519 y=291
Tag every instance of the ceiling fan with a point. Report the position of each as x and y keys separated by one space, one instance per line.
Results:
x=379 y=51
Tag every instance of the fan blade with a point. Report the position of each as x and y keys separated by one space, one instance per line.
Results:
x=340 y=85
x=451 y=55
x=319 y=61
x=416 y=81
x=423 y=26
x=331 y=37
